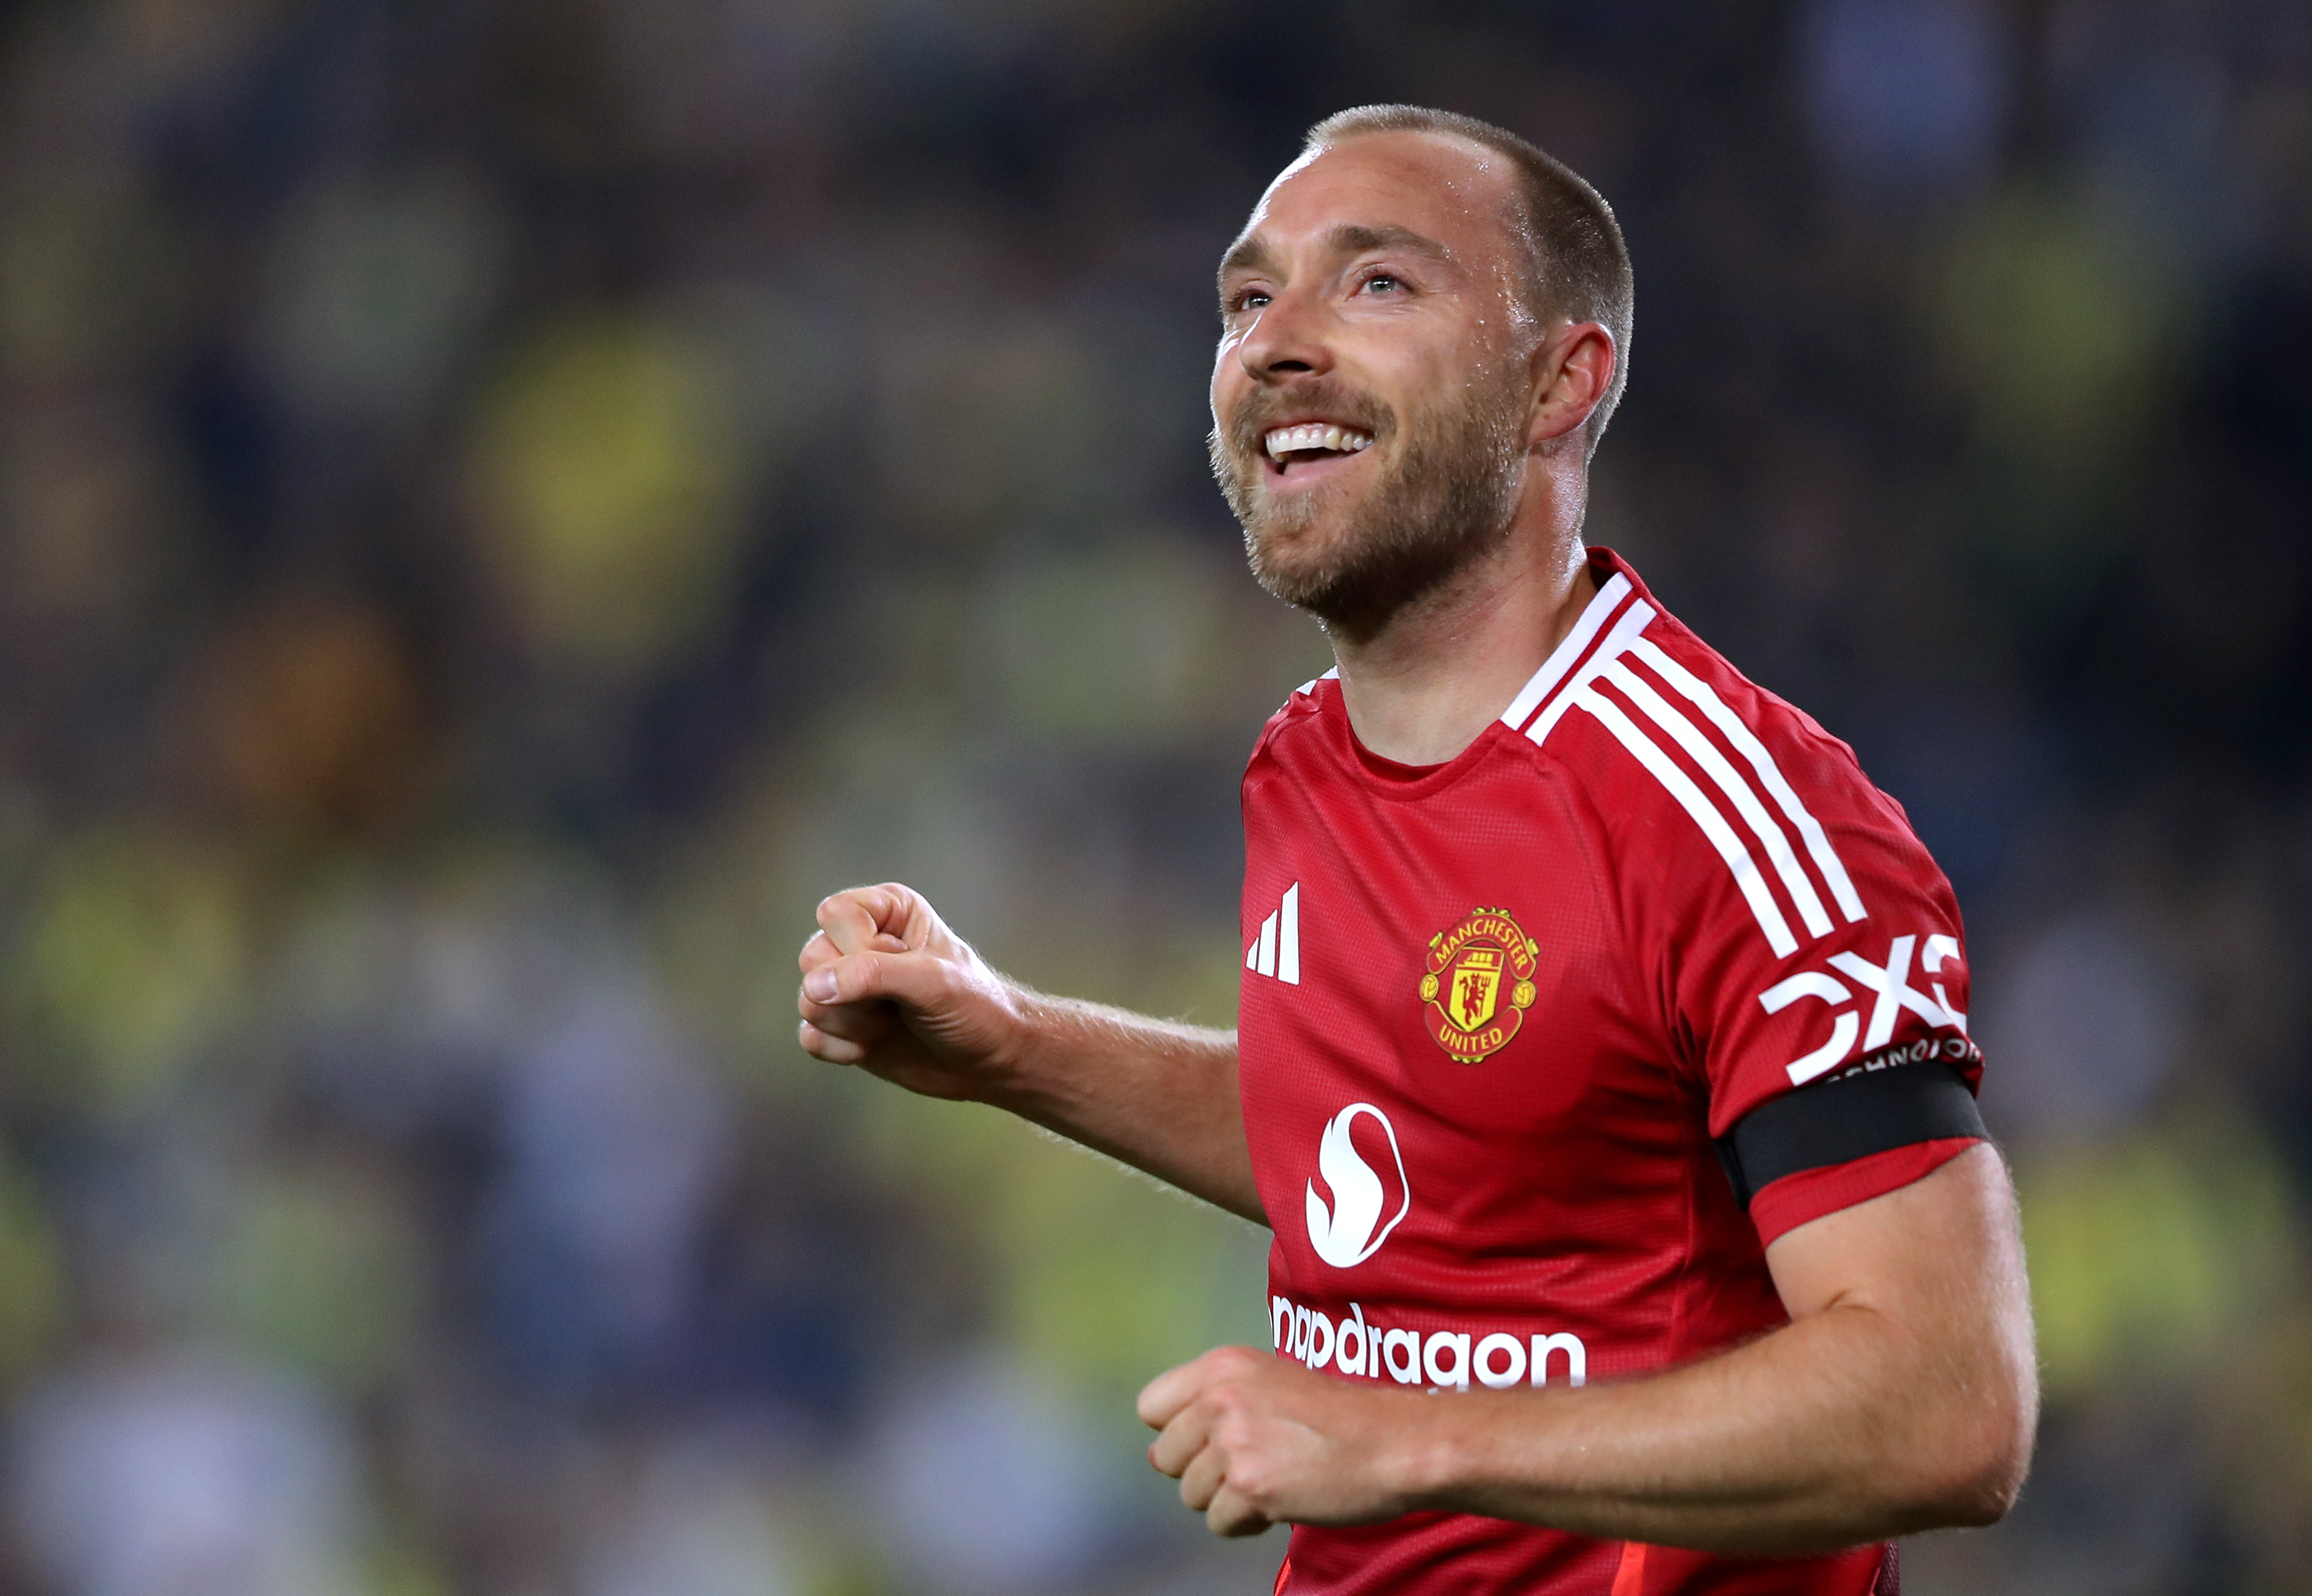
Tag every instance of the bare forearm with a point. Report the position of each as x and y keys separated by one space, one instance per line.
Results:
x=888 y=987
x=1902 y=1396
x=1833 y=1431
x=1158 y=1095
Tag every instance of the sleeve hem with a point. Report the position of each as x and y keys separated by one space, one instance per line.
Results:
x=1782 y=1206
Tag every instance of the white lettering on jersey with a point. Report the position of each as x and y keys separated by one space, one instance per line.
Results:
x=1939 y=948
x=1277 y=951
x=1447 y=1358
x=1813 y=982
x=1342 y=1234
x=1890 y=981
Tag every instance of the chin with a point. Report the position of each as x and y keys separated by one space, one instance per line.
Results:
x=1305 y=570
x=1296 y=558
x=1306 y=522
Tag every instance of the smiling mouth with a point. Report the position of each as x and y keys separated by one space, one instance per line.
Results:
x=1308 y=441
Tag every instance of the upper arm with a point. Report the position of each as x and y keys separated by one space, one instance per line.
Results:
x=1824 y=998
x=1940 y=1249
x=1940 y=1264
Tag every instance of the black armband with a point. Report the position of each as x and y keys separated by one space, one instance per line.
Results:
x=1839 y=1121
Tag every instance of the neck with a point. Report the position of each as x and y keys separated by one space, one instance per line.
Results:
x=1421 y=689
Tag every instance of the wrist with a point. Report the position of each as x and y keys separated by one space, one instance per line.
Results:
x=1008 y=1071
x=1423 y=1454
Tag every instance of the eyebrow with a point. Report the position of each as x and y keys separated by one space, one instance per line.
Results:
x=1252 y=253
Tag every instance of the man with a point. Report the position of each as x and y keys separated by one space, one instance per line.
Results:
x=1603 y=1068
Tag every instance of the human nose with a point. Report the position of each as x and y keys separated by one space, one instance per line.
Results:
x=1289 y=337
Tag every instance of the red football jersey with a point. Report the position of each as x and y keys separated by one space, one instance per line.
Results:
x=1522 y=1032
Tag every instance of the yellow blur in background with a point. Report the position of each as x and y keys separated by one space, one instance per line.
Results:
x=505 y=505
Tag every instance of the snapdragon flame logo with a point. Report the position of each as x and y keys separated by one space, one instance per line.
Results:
x=1344 y=1234
x=1479 y=984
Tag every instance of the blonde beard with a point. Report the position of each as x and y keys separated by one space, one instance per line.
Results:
x=1446 y=500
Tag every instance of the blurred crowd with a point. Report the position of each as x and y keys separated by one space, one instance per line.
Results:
x=505 y=503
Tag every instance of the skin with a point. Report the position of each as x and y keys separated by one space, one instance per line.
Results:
x=888 y=987
x=1306 y=301
x=1901 y=1397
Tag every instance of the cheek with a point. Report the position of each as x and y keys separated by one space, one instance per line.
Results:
x=1428 y=357
x=1400 y=372
x=1227 y=381
x=1438 y=370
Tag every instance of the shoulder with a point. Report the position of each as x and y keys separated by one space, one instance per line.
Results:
x=1680 y=698
x=1728 y=795
x=1296 y=715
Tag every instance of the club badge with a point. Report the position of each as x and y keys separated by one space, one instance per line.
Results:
x=1479 y=984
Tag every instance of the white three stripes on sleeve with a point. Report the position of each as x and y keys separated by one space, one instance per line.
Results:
x=1704 y=753
x=1635 y=620
x=1560 y=658
x=1557 y=688
x=1770 y=775
x=1705 y=815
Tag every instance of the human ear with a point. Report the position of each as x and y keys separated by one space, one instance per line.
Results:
x=1577 y=369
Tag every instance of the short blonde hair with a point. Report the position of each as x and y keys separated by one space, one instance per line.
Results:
x=1578 y=267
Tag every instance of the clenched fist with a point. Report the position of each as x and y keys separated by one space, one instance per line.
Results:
x=1255 y=1440
x=888 y=986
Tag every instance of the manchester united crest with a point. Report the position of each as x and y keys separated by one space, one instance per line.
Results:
x=1479 y=984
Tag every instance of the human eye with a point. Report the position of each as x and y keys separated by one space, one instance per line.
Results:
x=1246 y=299
x=1380 y=283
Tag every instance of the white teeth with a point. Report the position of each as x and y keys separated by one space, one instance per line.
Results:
x=1315 y=435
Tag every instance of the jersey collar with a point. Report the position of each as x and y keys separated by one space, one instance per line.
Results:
x=1620 y=609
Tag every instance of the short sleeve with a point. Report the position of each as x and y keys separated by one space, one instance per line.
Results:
x=1823 y=1000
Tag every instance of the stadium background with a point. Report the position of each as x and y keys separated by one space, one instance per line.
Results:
x=503 y=503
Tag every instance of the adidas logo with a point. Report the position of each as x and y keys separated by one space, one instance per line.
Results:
x=1277 y=951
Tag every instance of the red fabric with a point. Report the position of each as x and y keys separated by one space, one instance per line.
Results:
x=1630 y=1576
x=1782 y=1206
x=1283 y=1573
x=1534 y=1193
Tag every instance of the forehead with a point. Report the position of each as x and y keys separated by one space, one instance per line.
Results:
x=1438 y=185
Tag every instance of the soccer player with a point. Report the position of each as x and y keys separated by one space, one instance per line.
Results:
x=1603 y=1068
